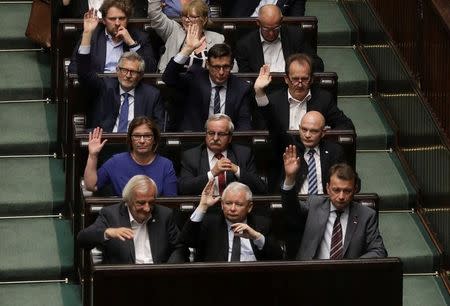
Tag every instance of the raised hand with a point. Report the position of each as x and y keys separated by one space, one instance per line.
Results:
x=208 y=198
x=95 y=141
x=122 y=233
x=90 y=20
x=291 y=163
x=193 y=39
x=123 y=34
x=245 y=231
x=263 y=80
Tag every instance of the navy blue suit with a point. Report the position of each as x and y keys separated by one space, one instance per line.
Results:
x=106 y=98
x=98 y=50
x=196 y=88
x=250 y=55
x=247 y=7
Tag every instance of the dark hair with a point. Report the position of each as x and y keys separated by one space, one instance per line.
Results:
x=344 y=172
x=220 y=50
x=125 y=5
x=300 y=58
x=150 y=124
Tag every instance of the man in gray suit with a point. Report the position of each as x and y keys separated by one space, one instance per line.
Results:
x=334 y=227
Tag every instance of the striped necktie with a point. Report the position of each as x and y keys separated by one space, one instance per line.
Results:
x=336 y=247
x=217 y=99
x=312 y=175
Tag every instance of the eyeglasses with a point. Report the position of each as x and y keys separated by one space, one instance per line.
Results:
x=274 y=29
x=220 y=67
x=125 y=71
x=146 y=137
x=219 y=134
x=190 y=18
x=120 y=18
x=297 y=81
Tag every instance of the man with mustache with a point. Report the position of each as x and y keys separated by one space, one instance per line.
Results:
x=218 y=159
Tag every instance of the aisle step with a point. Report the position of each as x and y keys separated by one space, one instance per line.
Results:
x=35 y=249
x=31 y=186
x=13 y=22
x=34 y=133
x=381 y=172
x=420 y=290
x=405 y=237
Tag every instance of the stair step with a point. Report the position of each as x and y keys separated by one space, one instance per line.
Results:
x=381 y=172
x=34 y=133
x=25 y=75
x=405 y=237
x=333 y=26
x=31 y=186
x=54 y=294
x=372 y=130
x=13 y=22
x=420 y=290
x=35 y=249
x=353 y=76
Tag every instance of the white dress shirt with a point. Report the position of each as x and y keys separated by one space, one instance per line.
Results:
x=141 y=241
x=325 y=245
x=297 y=109
x=273 y=54
x=222 y=95
x=130 y=107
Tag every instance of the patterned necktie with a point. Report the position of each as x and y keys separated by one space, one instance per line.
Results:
x=236 y=249
x=221 y=177
x=312 y=175
x=217 y=99
x=336 y=247
x=123 y=115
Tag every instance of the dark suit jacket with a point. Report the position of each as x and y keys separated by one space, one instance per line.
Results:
x=105 y=95
x=249 y=51
x=162 y=232
x=321 y=101
x=247 y=7
x=195 y=165
x=362 y=238
x=196 y=86
x=98 y=50
x=210 y=238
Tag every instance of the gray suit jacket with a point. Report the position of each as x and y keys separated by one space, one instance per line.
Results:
x=362 y=238
x=173 y=33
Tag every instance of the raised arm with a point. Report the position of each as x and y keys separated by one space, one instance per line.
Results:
x=163 y=25
x=95 y=146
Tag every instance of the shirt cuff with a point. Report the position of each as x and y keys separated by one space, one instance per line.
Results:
x=197 y=215
x=135 y=48
x=210 y=175
x=238 y=173
x=287 y=187
x=262 y=101
x=180 y=59
x=260 y=242
x=84 y=49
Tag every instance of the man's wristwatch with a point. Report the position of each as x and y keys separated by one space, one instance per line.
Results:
x=133 y=45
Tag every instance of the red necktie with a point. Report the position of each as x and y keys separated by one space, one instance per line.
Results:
x=221 y=176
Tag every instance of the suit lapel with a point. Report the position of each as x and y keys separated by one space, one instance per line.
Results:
x=101 y=47
x=204 y=161
x=232 y=157
x=225 y=242
x=206 y=94
x=324 y=164
x=352 y=224
x=153 y=235
x=283 y=106
x=230 y=98
x=259 y=54
x=125 y=222
x=138 y=106
x=285 y=43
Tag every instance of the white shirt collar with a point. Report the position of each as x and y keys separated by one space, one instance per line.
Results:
x=121 y=91
x=291 y=99
x=211 y=154
x=263 y=40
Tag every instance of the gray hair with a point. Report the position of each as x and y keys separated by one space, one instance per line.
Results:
x=133 y=56
x=236 y=187
x=138 y=182
x=217 y=117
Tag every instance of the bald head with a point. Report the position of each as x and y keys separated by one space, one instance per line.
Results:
x=269 y=20
x=312 y=128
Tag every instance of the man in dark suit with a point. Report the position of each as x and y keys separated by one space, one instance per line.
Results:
x=334 y=227
x=290 y=104
x=234 y=234
x=116 y=101
x=106 y=41
x=208 y=91
x=249 y=8
x=219 y=160
x=273 y=43
x=136 y=230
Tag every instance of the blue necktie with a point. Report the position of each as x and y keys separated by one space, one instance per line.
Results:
x=123 y=115
x=217 y=99
x=312 y=175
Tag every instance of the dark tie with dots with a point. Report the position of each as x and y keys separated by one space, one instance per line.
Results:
x=217 y=99
x=236 y=249
x=123 y=115
x=336 y=248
